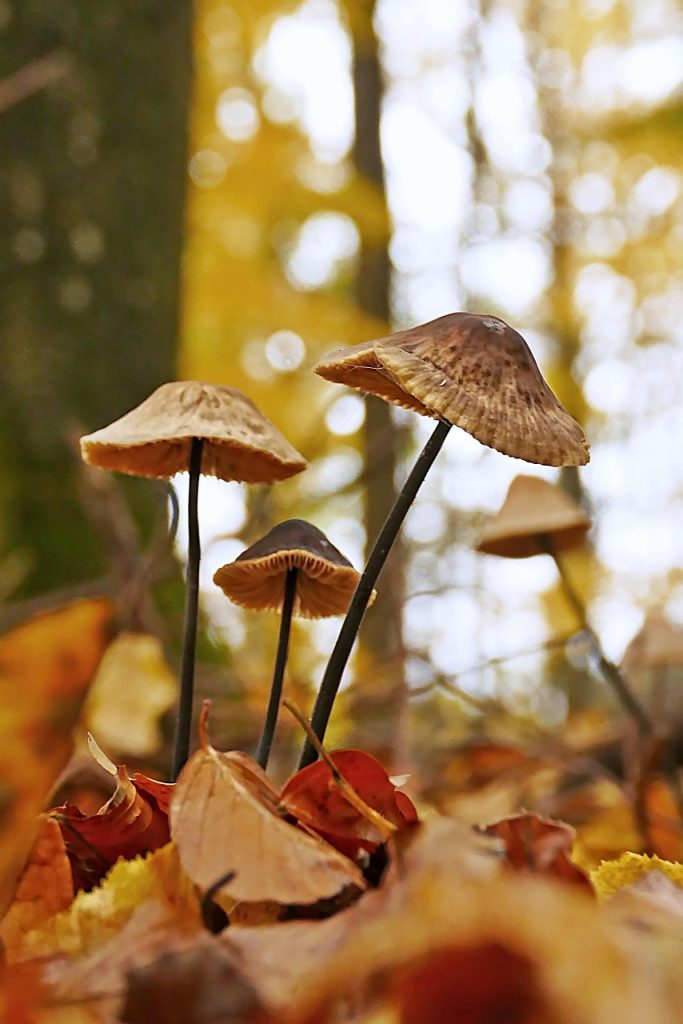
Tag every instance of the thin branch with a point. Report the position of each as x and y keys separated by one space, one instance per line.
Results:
x=33 y=78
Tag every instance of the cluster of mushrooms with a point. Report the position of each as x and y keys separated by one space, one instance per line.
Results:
x=463 y=369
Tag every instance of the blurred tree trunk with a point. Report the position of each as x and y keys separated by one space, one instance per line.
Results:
x=382 y=630
x=93 y=116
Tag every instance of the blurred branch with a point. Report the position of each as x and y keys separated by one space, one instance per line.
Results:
x=34 y=77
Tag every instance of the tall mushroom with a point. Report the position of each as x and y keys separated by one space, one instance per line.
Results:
x=539 y=518
x=464 y=370
x=294 y=569
x=208 y=429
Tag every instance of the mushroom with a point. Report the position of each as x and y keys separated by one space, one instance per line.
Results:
x=539 y=518
x=463 y=369
x=204 y=428
x=296 y=570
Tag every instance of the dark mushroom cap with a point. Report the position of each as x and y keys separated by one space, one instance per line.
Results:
x=658 y=644
x=533 y=508
x=154 y=439
x=473 y=371
x=256 y=579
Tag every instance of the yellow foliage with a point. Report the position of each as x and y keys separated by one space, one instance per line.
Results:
x=613 y=875
x=98 y=915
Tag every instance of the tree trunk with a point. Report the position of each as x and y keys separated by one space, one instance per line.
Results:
x=382 y=633
x=93 y=127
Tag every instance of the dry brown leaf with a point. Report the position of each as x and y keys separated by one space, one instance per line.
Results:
x=225 y=817
x=539 y=845
x=45 y=668
x=199 y=985
x=583 y=971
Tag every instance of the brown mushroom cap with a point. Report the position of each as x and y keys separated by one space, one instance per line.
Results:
x=532 y=508
x=154 y=439
x=658 y=644
x=473 y=371
x=256 y=579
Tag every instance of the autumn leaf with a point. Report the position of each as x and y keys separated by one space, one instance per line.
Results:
x=133 y=821
x=539 y=845
x=46 y=886
x=132 y=689
x=314 y=798
x=194 y=986
x=98 y=916
x=573 y=965
x=225 y=816
x=45 y=668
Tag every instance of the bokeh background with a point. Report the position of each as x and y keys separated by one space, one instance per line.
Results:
x=225 y=191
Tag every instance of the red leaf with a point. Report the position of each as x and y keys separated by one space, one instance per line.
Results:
x=314 y=799
x=484 y=984
x=134 y=821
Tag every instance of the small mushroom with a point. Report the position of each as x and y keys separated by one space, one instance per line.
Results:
x=296 y=570
x=465 y=370
x=534 y=516
x=539 y=518
x=208 y=429
x=654 y=660
x=659 y=644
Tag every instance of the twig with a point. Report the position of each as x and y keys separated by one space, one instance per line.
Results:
x=33 y=77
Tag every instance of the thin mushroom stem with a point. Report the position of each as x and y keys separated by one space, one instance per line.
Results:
x=361 y=597
x=609 y=670
x=181 y=746
x=266 y=740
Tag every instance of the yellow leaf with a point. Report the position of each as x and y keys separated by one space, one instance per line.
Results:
x=133 y=688
x=96 y=916
x=45 y=668
x=613 y=875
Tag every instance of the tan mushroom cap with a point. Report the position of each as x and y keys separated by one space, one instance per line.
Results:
x=658 y=644
x=532 y=508
x=473 y=371
x=154 y=439
x=256 y=579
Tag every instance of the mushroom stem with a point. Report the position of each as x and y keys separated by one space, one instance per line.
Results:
x=266 y=740
x=362 y=593
x=609 y=670
x=181 y=746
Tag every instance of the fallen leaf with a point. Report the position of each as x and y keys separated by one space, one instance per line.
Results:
x=539 y=845
x=195 y=986
x=133 y=688
x=96 y=916
x=613 y=875
x=579 y=968
x=46 y=886
x=46 y=666
x=225 y=816
x=96 y=979
x=313 y=797
x=483 y=984
x=665 y=828
x=133 y=821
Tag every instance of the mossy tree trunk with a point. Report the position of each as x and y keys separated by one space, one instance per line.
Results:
x=93 y=126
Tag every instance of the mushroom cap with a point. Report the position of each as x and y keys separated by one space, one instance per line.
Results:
x=533 y=507
x=474 y=371
x=256 y=579
x=154 y=438
x=658 y=644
